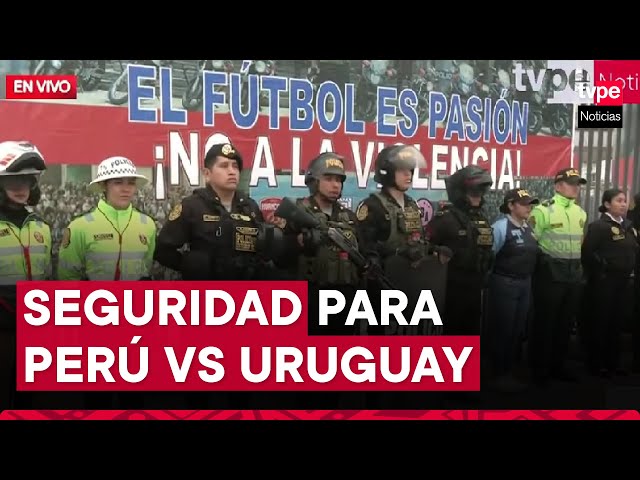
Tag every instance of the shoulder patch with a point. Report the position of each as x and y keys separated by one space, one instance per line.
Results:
x=362 y=212
x=66 y=238
x=581 y=222
x=176 y=212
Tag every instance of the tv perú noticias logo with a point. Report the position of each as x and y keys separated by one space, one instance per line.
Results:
x=606 y=108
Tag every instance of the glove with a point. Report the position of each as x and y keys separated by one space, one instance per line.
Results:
x=443 y=253
x=413 y=253
x=373 y=268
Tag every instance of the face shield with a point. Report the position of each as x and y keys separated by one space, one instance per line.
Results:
x=407 y=158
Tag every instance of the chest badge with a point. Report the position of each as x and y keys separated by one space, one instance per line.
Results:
x=38 y=236
x=143 y=239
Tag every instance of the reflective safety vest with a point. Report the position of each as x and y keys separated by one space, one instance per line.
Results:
x=558 y=225
x=25 y=252
x=108 y=244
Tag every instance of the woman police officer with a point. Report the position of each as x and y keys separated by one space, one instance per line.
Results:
x=25 y=247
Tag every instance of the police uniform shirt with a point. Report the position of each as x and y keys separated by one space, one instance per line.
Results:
x=203 y=224
x=108 y=244
x=375 y=223
x=515 y=247
x=610 y=246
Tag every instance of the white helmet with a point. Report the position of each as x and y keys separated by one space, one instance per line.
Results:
x=20 y=158
x=116 y=167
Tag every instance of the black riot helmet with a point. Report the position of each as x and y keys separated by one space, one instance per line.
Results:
x=20 y=161
x=470 y=180
x=393 y=158
x=328 y=163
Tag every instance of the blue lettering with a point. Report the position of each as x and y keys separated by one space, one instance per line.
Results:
x=437 y=111
x=326 y=90
x=351 y=125
x=298 y=106
x=274 y=85
x=251 y=97
x=407 y=103
x=487 y=120
x=387 y=110
x=474 y=112
x=501 y=131
x=168 y=114
x=211 y=98
x=520 y=125
x=137 y=92
x=455 y=121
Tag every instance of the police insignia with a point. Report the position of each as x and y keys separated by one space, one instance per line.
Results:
x=362 y=212
x=176 y=212
x=143 y=239
x=66 y=238
x=615 y=230
x=227 y=150
x=38 y=236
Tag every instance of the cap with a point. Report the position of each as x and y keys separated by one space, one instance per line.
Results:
x=223 y=150
x=570 y=175
x=518 y=195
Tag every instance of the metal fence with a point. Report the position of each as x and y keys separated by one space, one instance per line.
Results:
x=608 y=158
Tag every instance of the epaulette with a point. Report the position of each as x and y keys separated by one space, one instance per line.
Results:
x=151 y=217
x=83 y=214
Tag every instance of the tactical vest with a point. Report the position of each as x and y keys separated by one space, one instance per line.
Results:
x=105 y=253
x=517 y=257
x=405 y=224
x=473 y=246
x=330 y=265
x=25 y=253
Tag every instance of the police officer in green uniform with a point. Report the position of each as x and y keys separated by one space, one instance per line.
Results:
x=319 y=261
x=463 y=226
x=559 y=226
x=390 y=221
x=218 y=232
x=25 y=248
x=114 y=241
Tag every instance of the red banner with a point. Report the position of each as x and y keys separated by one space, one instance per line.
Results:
x=216 y=336
x=87 y=134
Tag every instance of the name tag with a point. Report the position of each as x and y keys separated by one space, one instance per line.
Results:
x=103 y=236
x=210 y=218
x=556 y=225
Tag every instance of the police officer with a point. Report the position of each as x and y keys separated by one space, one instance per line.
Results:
x=634 y=217
x=25 y=247
x=218 y=232
x=510 y=286
x=558 y=224
x=391 y=221
x=114 y=241
x=609 y=254
x=319 y=261
x=462 y=226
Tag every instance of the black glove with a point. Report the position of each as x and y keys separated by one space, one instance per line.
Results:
x=312 y=240
x=442 y=251
x=373 y=267
x=413 y=253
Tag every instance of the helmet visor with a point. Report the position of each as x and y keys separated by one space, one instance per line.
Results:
x=407 y=158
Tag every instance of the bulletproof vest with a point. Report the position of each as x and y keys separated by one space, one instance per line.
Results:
x=517 y=257
x=25 y=251
x=330 y=265
x=107 y=252
x=473 y=245
x=405 y=224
